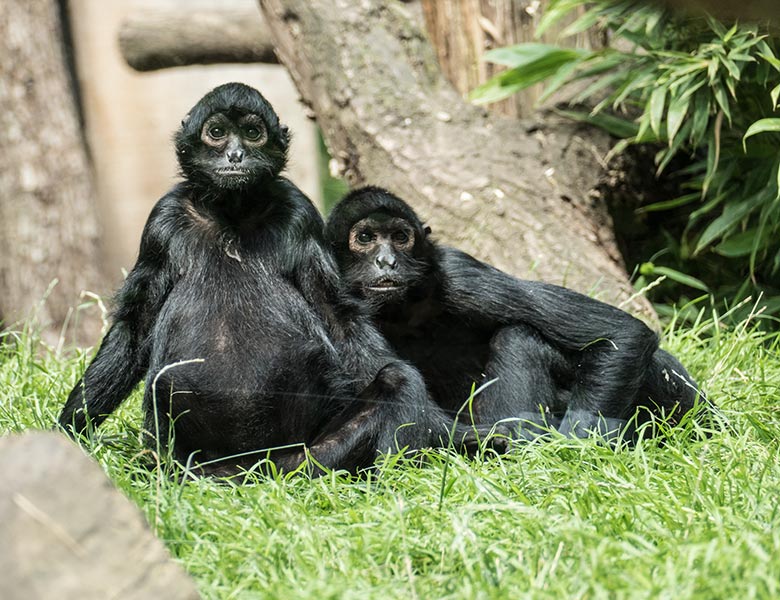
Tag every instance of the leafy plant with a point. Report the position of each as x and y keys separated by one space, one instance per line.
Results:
x=699 y=90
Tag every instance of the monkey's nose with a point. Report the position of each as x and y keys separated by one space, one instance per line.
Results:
x=386 y=261
x=235 y=156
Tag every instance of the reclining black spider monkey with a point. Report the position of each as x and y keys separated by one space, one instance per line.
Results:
x=233 y=313
x=559 y=358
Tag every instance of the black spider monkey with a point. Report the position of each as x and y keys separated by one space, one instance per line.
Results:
x=559 y=358
x=233 y=312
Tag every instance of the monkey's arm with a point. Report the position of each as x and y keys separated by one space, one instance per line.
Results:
x=612 y=349
x=123 y=356
x=108 y=380
x=312 y=266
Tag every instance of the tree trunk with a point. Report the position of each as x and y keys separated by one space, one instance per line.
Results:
x=48 y=229
x=518 y=194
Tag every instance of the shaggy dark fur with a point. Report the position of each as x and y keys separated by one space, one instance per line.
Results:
x=234 y=315
x=558 y=357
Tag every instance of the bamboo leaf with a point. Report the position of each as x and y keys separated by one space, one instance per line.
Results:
x=547 y=62
x=732 y=214
x=611 y=124
x=604 y=60
x=701 y=118
x=778 y=183
x=586 y=21
x=712 y=70
x=669 y=204
x=565 y=74
x=761 y=126
x=764 y=48
x=524 y=54
x=497 y=88
x=645 y=134
x=741 y=244
x=674 y=275
x=760 y=239
x=678 y=108
x=618 y=148
x=723 y=101
x=674 y=147
x=652 y=21
x=741 y=57
x=638 y=81
x=730 y=33
x=774 y=95
x=731 y=67
x=598 y=84
x=719 y=30
x=655 y=107
x=771 y=59
x=554 y=12
x=707 y=208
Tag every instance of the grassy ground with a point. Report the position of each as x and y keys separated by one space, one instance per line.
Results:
x=693 y=518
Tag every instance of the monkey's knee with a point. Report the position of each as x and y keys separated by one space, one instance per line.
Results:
x=514 y=338
x=397 y=375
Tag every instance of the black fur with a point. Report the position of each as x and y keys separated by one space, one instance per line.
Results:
x=558 y=357
x=234 y=315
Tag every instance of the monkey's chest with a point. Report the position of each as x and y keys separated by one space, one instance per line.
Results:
x=245 y=318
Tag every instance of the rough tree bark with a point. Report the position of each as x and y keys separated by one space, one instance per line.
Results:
x=516 y=193
x=230 y=31
x=48 y=227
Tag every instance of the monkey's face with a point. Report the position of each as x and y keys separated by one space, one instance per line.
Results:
x=383 y=266
x=234 y=152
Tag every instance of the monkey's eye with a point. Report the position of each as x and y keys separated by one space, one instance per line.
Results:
x=252 y=133
x=364 y=237
x=216 y=132
x=400 y=237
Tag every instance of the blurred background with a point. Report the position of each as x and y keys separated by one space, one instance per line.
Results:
x=130 y=116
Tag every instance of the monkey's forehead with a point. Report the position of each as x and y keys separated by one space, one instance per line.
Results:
x=235 y=113
x=204 y=111
x=383 y=219
x=235 y=117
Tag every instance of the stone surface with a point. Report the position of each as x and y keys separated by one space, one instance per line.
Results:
x=67 y=532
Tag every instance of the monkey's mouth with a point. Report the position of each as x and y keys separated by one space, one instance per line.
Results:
x=232 y=172
x=385 y=285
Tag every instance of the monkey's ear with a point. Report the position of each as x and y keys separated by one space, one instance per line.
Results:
x=185 y=119
x=427 y=231
x=285 y=134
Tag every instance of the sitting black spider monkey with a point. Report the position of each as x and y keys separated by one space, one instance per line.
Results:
x=560 y=359
x=233 y=312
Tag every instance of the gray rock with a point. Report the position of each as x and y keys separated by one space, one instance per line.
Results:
x=67 y=532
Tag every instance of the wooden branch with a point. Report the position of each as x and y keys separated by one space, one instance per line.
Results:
x=518 y=194
x=228 y=31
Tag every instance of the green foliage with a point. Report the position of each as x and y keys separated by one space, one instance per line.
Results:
x=700 y=90
x=694 y=517
x=531 y=63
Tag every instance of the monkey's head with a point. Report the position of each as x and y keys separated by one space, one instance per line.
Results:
x=381 y=246
x=231 y=139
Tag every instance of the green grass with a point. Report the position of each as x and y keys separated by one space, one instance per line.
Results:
x=695 y=517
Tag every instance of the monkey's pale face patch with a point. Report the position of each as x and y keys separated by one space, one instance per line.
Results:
x=233 y=153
